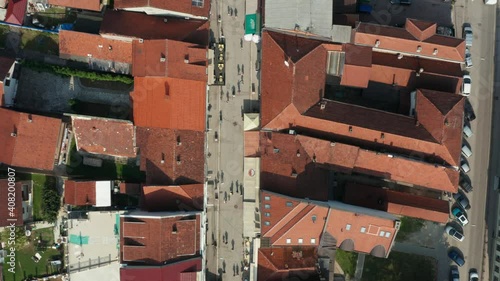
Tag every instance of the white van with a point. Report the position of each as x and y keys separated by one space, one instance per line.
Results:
x=467 y=131
x=466 y=151
x=490 y=2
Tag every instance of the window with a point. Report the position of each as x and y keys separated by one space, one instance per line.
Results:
x=301 y=240
x=495 y=278
x=267 y=223
x=267 y=198
x=289 y=204
x=348 y=227
x=267 y=206
x=267 y=214
x=197 y=3
x=313 y=240
x=363 y=229
x=498 y=247
x=288 y=241
x=387 y=234
x=497 y=269
x=381 y=233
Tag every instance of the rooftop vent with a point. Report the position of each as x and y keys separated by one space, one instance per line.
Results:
x=332 y=143
x=322 y=105
x=382 y=136
x=186 y=58
x=314 y=158
x=350 y=129
x=294 y=174
x=291 y=132
x=419 y=49
x=13 y=134
x=298 y=153
x=286 y=63
x=30 y=118
x=110 y=48
x=162 y=158
x=179 y=140
x=141 y=40
x=162 y=59
x=435 y=52
x=100 y=46
x=400 y=56
x=377 y=43
x=165 y=20
x=178 y=159
x=421 y=70
x=276 y=150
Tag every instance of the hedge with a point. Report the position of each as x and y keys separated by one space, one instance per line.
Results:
x=66 y=71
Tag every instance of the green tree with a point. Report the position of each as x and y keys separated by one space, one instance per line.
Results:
x=19 y=236
x=51 y=204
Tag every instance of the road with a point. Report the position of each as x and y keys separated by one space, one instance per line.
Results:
x=225 y=152
x=483 y=21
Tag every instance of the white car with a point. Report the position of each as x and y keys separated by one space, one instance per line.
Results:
x=473 y=276
x=453 y=232
x=466 y=86
x=462 y=219
x=468 y=58
x=490 y=2
x=468 y=36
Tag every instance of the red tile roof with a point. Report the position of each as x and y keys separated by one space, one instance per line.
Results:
x=133 y=25
x=286 y=263
x=93 y=5
x=169 y=103
x=169 y=272
x=252 y=148
x=185 y=7
x=34 y=144
x=398 y=203
x=173 y=198
x=132 y=189
x=357 y=67
x=6 y=215
x=169 y=58
x=298 y=224
x=79 y=193
x=16 y=10
x=159 y=149
x=140 y=238
x=104 y=136
x=80 y=44
x=407 y=40
x=279 y=160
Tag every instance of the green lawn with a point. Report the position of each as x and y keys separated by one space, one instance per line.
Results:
x=39 y=41
x=347 y=261
x=109 y=170
x=408 y=226
x=399 y=267
x=25 y=266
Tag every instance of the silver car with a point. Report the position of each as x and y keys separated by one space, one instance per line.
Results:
x=468 y=58
x=453 y=232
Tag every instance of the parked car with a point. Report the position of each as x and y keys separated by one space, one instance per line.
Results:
x=466 y=85
x=473 y=275
x=462 y=200
x=464 y=165
x=490 y=2
x=453 y=232
x=467 y=129
x=468 y=36
x=401 y=2
x=468 y=58
x=465 y=183
x=454 y=274
x=455 y=256
x=466 y=150
x=469 y=111
x=460 y=215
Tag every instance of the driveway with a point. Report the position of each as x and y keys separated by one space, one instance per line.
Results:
x=35 y=94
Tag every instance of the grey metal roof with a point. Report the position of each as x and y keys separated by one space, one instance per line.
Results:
x=314 y=16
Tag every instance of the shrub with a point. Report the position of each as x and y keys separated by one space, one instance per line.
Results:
x=67 y=72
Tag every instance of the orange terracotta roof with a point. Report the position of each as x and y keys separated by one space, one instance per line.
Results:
x=140 y=240
x=407 y=40
x=132 y=25
x=395 y=202
x=252 y=143
x=169 y=103
x=287 y=263
x=304 y=222
x=159 y=151
x=79 y=193
x=185 y=7
x=345 y=158
x=80 y=44
x=357 y=67
x=169 y=58
x=104 y=136
x=93 y=5
x=29 y=144
x=173 y=198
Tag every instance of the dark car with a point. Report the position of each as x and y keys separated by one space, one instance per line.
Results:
x=455 y=256
x=469 y=111
x=465 y=185
x=462 y=200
